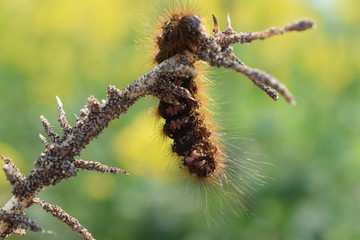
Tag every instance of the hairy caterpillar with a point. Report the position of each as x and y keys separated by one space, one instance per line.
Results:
x=185 y=124
x=194 y=140
x=182 y=34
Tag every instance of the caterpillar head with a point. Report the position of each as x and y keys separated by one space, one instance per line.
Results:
x=179 y=33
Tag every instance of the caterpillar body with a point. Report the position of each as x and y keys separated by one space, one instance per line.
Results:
x=184 y=123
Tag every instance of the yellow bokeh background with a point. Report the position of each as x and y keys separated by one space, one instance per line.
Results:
x=74 y=49
x=151 y=156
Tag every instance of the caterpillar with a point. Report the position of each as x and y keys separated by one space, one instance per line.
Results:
x=182 y=33
x=184 y=123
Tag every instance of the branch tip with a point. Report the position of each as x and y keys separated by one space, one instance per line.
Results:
x=64 y=217
x=216 y=24
x=44 y=140
x=12 y=173
x=49 y=129
x=228 y=19
x=59 y=101
x=300 y=25
x=65 y=126
x=99 y=167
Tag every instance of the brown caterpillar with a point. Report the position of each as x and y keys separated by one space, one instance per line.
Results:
x=180 y=42
x=185 y=124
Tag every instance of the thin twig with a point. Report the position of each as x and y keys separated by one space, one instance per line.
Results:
x=17 y=223
x=234 y=37
x=99 y=167
x=64 y=124
x=64 y=217
x=44 y=140
x=49 y=129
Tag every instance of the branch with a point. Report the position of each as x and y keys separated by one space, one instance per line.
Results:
x=57 y=162
x=217 y=51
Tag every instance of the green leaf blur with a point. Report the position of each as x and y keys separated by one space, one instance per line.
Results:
x=74 y=49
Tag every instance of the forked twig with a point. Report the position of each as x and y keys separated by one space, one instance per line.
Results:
x=218 y=52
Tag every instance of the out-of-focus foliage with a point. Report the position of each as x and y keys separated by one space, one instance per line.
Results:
x=74 y=49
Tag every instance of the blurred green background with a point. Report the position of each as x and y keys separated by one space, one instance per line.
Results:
x=74 y=49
